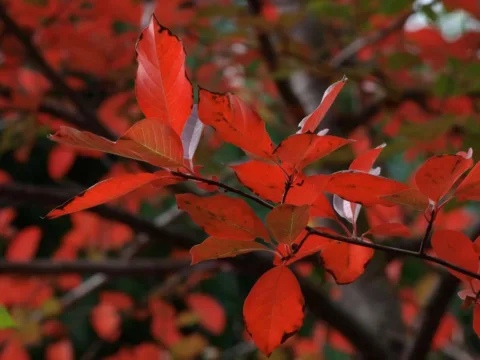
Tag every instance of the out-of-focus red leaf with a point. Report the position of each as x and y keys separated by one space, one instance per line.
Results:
x=162 y=87
x=163 y=325
x=118 y=299
x=310 y=122
x=446 y=328
x=346 y=262
x=363 y=188
x=390 y=229
x=410 y=197
x=112 y=112
x=60 y=350
x=365 y=161
x=215 y=248
x=60 y=161
x=211 y=313
x=223 y=216
x=472 y=7
x=13 y=349
x=438 y=174
x=235 y=122
x=106 y=322
x=469 y=188
x=105 y=191
x=148 y=140
x=300 y=150
x=25 y=244
x=456 y=248
x=286 y=222
x=274 y=309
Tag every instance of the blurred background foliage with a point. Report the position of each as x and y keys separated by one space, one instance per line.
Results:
x=414 y=83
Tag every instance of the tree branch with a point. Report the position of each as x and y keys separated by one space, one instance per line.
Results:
x=271 y=59
x=108 y=267
x=436 y=307
x=353 y=48
x=88 y=114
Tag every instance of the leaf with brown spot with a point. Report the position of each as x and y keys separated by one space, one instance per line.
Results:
x=148 y=140
x=223 y=216
x=110 y=189
x=469 y=188
x=456 y=248
x=438 y=174
x=363 y=188
x=162 y=87
x=216 y=248
x=409 y=197
x=265 y=180
x=274 y=309
x=235 y=122
x=346 y=262
x=298 y=151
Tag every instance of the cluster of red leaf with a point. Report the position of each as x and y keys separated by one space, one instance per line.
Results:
x=168 y=137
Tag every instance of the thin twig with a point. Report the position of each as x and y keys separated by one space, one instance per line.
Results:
x=428 y=232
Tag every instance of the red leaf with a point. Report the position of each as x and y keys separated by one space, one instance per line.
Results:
x=148 y=140
x=162 y=86
x=106 y=322
x=390 y=229
x=410 y=197
x=346 y=262
x=438 y=174
x=215 y=248
x=212 y=315
x=365 y=161
x=286 y=222
x=363 y=188
x=456 y=248
x=235 y=122
x=310 y=123
x=274 y=309
x=60 y=350
x=105 y=191
x=24 y=245
x=469 y=188
x=224 y=217
x=60 y=161
x=298 y=151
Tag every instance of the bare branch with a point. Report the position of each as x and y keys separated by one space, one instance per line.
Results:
x=109 y=267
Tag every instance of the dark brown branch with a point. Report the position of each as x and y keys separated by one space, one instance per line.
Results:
x=109 y=267
x=271 y=59
x=352 y=49
x=436 y=307
x=34 y=53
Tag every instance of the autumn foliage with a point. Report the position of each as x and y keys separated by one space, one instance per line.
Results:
x=293 y=210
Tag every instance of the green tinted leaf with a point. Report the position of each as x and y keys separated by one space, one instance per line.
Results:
x=6 y=320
